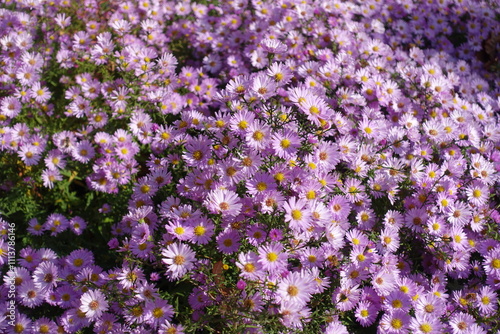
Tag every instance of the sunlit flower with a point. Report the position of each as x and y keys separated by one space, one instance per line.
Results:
x=93 y=304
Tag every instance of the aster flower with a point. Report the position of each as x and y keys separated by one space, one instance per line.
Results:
x=272 y=257
x=66 y=296
x=43 y=325
x=346 y=297
x=39 y=93
x=398 y=300
x=93 y=303
x=79 y=259
x=223 y=201
x=203 y=230
x=197 y=152
x=396 y=322
x=280 y=73
x=477 y=193
x=487 y=301
x=130 y=277
x=249 y=265
x=366 y=313
x=430 y=304
x=260 y=184
x=29 y=155
x=273 y=46
x=35 y=227
x=56 y=223
x=389 y=240
x=228 y=242
x=179 y=230
x=29 y=295
x=10 y=107
x=297 y=213
x=158 y=312
x=22 y=324
x=340 y=207
x=461 y=323
x=286 y=143
x=383 y=282
x=179 y=259
x=459 y=214
x=258 y=135
x=426 y=324
x=296 y=288
x=45 y=276
x=167 y=328
x=77 y=225
x=492 y=262
x=49 y=176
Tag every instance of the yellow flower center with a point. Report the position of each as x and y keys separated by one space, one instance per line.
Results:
x=396 y=323
x=249 y=268
x=258 y=135
x=179 y=260
x=261 y=186
x=296 y=214
x=271 y=257
x=199 y=231
x=292 y=290
x=285 y=143
x=425 y=328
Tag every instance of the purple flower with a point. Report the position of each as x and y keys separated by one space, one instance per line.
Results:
x=45 y=276
x=93 y=303
x=179 y=259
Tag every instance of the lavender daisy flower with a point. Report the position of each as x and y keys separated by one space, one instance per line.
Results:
x=66 y=296
x=223 y=201
x=93 y=303
x=39 y=93
x=396 y=322
x=29 y=155
x=203 y=230
x=487 y=301
x=29 y=295
x=249 y=265
x=45 y=276
x=83 y=151
x=22 y=324
x=77 y=225
x=296 y=288
x=366 y=313
x=297 y=213
x=35 y=227
x=56 y=223
x=461 y=323
x=79 y=259
x=272 y=257
x=179 y=259
x=426 y=324
x=273 y=46
x=228 y=242
x=49 y=176
x=43 y=325
x=158 y=312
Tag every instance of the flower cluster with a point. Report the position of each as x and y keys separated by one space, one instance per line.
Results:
x=286 y=166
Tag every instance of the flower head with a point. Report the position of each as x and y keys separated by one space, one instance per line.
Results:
x=93 y=303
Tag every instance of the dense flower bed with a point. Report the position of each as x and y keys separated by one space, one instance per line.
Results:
x=250 y=166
